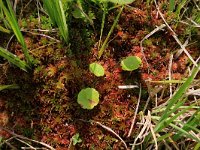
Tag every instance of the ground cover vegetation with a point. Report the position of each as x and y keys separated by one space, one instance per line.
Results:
x=99 y=74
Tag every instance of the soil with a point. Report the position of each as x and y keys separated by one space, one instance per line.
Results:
x=45 y=106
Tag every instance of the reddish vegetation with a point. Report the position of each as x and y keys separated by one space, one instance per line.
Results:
x=45 y=107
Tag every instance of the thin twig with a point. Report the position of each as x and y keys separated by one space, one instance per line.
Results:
x=196 y=5
x=22 y=9
x=143 y=132
x=179 y=52
x=7 y=46
x=175 y=36
x=44 y=35
x=26 y=143
x=113 y=132
x=11 y=146
x=152 y=131
x=38 y=12
x=25 y=138
x=136 y=111
x=146 y=37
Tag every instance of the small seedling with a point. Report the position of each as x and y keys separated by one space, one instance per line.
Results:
x=88 y=98
x=96 y=69
x=131 y=63
x=6 y=87
x=76 y=139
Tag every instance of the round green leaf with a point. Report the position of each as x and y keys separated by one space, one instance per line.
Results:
x=131 y=63
x=96 y=69
x=88 y=98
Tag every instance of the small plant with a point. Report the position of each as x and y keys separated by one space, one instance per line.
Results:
x=105 y=10
x=131 y=63
x=76 y=139
x=5 y=87
x=96 y=69
x=88 y=98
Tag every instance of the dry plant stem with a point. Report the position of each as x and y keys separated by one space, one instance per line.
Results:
x=136 y=111
x=196 y=5
x=173 y=143
x=175 y=36
x=38 y=12
x=147 y=102
x=11 y=146
x=195 y=24
x=41 y=30
x=113 y=132
x=179 y=52
x=25 y=138
x=142 y=133
x=146 y=37
x=26 y=143
x=152 y=131
x=44 y=35
x=170 y=74
x=24 y=8
x=9 y=41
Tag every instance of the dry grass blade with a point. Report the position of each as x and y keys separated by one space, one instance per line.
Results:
x=136 y=111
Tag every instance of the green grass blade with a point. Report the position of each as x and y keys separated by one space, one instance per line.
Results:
x=48 y=4
x=103 y=47
x=168 y=81
x=180 y=6
x=171 y=5
x=187 y=134
x=57 y=16
x=103 y=22
x=163 y=137
x=14 y=59
x=180 y=93
x=191 y=124
x=12 y=86
x=2 y=29
x=9 y=13
x=164 y=123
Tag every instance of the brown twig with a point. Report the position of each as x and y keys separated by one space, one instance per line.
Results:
x=113 y=132
x=25 y=138
x=175 y=35
x=136 y=111
x=146 y=37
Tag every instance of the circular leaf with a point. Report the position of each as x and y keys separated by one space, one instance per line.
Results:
x=88 y=98
x=96 y=69
x=131 y=63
